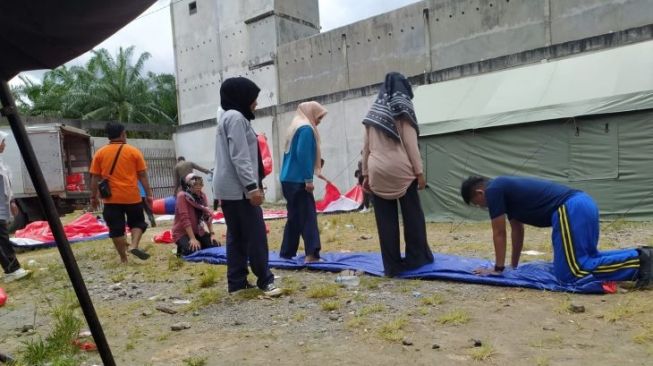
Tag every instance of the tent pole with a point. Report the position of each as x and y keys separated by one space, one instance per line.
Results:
x=20 y=134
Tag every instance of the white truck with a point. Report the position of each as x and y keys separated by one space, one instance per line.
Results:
x=64 y=154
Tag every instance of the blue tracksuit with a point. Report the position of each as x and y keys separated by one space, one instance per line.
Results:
x=574 y=217
x=575 y=239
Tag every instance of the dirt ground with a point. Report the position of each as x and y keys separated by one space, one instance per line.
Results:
x=379 y=322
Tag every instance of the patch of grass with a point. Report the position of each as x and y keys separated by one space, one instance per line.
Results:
x=408 y=286
x=205 y=298
x=549 y=342
x=330 y=305
x=290 y=285
x=645 y=337
x=118 y=277
x=370 y=283
x=435 y=299
x=424 y=310
x=175 y=263
x=371 y=309
x=163 y=337
x=483 y=353
x=330 y=237
x=393 y=330
x=195 y=361
x=456 y=317
x=623 y=311
x=299 y=317
x=542 y=361
x=209 y=277
x=563 y=306
x=323 y=291
x=57 y=348
x=356 y=322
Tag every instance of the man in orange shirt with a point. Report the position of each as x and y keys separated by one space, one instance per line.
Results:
x=125 y=198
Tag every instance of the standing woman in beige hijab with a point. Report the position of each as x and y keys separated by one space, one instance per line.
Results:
x=302 y=160
x=392 y=171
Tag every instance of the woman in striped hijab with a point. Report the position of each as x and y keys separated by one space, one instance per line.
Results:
x=392 y=172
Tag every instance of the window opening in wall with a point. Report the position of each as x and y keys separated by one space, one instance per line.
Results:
x=192 y=8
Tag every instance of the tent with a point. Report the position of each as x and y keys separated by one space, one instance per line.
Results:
x=36 y=35
x=583 y=121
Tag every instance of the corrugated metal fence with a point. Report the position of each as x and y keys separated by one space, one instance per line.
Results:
x=160 y=157
x=160 y=170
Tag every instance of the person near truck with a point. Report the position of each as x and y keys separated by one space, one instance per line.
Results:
x=12 y=269
x=183 y=168
x=125 y=199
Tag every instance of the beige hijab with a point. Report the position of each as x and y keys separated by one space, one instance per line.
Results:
x=307 y=115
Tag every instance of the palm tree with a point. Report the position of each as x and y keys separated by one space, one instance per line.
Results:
x=106 y=88
x=118 y=91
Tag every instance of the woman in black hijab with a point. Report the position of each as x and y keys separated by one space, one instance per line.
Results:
x=237 y=184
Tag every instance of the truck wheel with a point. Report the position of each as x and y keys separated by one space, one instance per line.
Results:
x=20 y=221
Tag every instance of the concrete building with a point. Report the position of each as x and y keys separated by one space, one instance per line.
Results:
x=277 y=44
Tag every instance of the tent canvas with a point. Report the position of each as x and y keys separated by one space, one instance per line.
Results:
x=582 y=121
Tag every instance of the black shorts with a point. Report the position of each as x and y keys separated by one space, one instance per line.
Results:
x=114 y=216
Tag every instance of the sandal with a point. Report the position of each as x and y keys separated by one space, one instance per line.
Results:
x=139 y=253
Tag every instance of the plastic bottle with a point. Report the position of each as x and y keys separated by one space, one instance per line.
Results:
x=348 y=281
x=3 y=297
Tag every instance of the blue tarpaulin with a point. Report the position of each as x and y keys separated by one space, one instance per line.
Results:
x=537 y=275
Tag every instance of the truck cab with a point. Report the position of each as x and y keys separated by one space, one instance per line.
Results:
x=64 y=154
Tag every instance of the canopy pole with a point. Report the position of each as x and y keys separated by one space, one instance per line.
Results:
x=20 y=134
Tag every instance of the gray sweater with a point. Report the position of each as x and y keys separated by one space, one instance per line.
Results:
x=236 y=157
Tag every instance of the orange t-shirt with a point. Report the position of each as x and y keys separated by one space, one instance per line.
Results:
x=124 y=180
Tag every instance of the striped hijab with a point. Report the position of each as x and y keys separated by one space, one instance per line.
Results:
x=394 y=101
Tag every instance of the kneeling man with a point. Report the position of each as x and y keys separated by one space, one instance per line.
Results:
x=574 y=218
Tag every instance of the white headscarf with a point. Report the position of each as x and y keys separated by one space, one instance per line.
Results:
x=4 y=170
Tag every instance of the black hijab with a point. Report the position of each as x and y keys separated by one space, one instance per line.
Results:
x=393 y=101
x=239 y=93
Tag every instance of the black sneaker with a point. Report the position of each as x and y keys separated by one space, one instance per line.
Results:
x=645 y=275
x=272 y=290
x=247 y=287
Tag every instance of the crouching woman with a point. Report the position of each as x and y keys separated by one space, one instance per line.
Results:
x=192 y=229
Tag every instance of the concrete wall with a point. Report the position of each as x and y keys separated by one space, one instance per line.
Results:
x=197 y=59
x=431 y=40
x=227 y=38
x=573 y=20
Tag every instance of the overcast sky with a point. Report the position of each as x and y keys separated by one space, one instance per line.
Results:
x=156 y=21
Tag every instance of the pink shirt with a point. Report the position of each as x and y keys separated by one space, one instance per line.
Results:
x=185 y=216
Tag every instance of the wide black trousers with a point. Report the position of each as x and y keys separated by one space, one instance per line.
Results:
x=7 y=254
x=246 y=241
x=386 y=213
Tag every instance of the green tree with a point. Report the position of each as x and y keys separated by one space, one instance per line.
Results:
x=106 y=88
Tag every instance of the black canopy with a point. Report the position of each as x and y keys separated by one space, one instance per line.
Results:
x=43 y=34
x=38 y=34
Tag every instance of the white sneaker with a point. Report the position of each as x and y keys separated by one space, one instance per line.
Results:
x=364 y=210
x=16 y=275
x=272 y=290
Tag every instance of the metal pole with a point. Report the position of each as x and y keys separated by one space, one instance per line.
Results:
x=20 y=134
